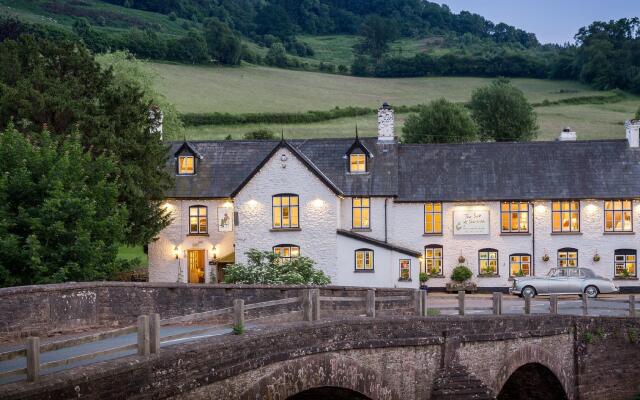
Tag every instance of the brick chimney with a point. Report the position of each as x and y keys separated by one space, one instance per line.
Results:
x=567 y=135
x=633 y=132
x=386 y=124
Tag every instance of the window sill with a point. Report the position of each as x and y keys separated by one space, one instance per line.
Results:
x=489 y=276
x=620 y=278
x=361 y=230
x=618 y=233
x=432 y=234
x=566 y=233
x=284 y=229
x=404 y=280
x=186 y=174
x=515 y=234
x=358 y=173
x=364 y=271
x=198 y=234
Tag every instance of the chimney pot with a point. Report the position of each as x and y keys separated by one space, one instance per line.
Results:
x=632 y=127
x=567 y=135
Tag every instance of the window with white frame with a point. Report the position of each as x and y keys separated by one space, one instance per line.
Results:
x=625 y=263
x=618 y=216
x=285 y=211
x=567 y=257
x=360 y=212
x=286 y=251
x=520 y=264
x=198 y=220
x=565 y=216
x=488 y=262
x=433 y=218
x=514 y=216
x=405 y=269
x=432 y=260
x=364 y=260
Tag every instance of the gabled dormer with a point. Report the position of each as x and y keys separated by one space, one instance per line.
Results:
x=187 y=159
x=358 y=158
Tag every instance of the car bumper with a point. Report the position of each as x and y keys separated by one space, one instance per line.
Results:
x=515 y=291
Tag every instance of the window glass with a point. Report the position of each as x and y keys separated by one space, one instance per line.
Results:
x=514 y=216
x=433 y=218
x=566 y=216
x=567 y=258
x=198 y=220
x=360 y=213
x=357 y=163
x=285 y=211
x=488 y=262
x=618 y=216
x=432 y=260
x=286 y=251
x=186 y=165
x=520 y=264
x=405 y=269
x=364 y=260
x=625 y=263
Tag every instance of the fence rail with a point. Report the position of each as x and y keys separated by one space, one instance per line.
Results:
x=308 y=304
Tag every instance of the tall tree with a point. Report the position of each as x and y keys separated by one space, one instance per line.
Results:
x=61 y=88
x=502 y=113
x=224 y=46
x=441 y=121
x=59 y=214
x=376 y=33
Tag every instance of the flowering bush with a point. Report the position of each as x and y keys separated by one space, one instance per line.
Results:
x=268 y=268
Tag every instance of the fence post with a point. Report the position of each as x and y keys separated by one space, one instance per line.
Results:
x=461 y=302
x=553 y=304
x=417 y=302
x=143 y=335
x=33 y=358
x=154 y=333
x=307 y=305
x=423 y=303
x=238 y=316
x=527 y=305
x=315 y=304
x=585 y=304
x=371 y=303
x=497 y=303
x=632 y=306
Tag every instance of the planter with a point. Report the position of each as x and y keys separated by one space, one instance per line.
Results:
x=458 y=286
x=424 y=286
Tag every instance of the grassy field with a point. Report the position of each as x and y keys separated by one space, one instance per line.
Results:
x=130 y=253
x=259 y=89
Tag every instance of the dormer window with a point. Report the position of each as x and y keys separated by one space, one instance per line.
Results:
x=186 y=165
x=357 y=163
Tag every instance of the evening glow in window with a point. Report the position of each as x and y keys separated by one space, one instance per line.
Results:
x=514 y=216
x=566 y=216
x=364 y=260
x=567 y=258
x=186 y=165
x=357 y=163
x=618 y=216
x=285 y=211
x=433 y=260
x=197 y=220
x=286 y=251
x=433 y=218
x=625 y=262
x=360 y=213
x=405 y=269
x=488 y=261
x=520 y=264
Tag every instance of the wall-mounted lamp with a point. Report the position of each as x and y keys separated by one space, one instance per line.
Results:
x=176 y=250
x=213 y=252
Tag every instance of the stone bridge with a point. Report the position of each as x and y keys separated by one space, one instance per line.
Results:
x=508 y=357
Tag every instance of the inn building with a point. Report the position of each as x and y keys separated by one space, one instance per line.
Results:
x=376 y=212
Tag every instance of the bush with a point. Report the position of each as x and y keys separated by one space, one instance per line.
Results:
x=265 y=267
x=260 y=134
x=461 y=273
x=423 y=277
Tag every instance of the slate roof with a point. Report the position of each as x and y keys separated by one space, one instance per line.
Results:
x=430 y=172
x=376 y=242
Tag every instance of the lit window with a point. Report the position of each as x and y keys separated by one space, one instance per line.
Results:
x=197 y=220
x=618 y=216
x=432 y=260
x=186 y=165
x=364 y=260
x=360 y=212
x=286 y=251
x=514 y=216
x=625 y=261
x=567 y=257
x=433 y=218
x=285 y=211
x=566 y=216
x=405 y=270
x=520 y=264
x=488 y=261
x=357 y=163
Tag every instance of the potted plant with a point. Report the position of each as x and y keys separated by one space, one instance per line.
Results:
x=545 y=257
x=423 y=277
x=596 y=257
x=461 y=259
x=460 y=280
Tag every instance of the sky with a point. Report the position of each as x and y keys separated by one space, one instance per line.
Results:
x=553 y=21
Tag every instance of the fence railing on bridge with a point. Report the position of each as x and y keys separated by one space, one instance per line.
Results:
x=307 y=306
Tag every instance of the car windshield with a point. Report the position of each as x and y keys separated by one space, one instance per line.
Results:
x=556 y=272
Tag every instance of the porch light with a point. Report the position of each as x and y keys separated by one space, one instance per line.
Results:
x=176 y=250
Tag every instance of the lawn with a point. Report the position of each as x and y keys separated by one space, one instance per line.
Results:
x=132 y=252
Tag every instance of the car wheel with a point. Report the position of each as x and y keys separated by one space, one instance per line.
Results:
x=591 y=292
x=528 y=291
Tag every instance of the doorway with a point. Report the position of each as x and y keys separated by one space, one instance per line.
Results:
x=196 y=266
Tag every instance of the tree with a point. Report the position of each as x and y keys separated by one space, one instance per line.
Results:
x=376 y=33
x=272 y=19
x=265 y=267
x=502 y=113
x=260 y=134
x=638 y=113
x=439 y=122
x=60 y=87
x=60 y=219
x=277 y=56
x=224 y=46
x=191 y=48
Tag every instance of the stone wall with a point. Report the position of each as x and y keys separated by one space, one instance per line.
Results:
x=43 y=309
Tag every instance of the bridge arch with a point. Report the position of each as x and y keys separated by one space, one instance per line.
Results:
x=327 y=392
x=531 y=382
x=315 y=374
x=536 y=362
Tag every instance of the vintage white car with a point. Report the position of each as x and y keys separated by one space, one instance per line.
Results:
x=563 y=281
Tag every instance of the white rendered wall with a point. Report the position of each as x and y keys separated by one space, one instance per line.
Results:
x=318 y=217
x=386 y=272
x=163 y=265
x=376 y=216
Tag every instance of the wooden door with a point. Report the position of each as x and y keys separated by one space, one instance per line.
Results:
x=196 y=266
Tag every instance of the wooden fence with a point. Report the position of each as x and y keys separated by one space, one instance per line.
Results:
x=148 y=327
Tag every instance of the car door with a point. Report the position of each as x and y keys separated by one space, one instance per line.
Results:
x=574 y=281
x=558 y=281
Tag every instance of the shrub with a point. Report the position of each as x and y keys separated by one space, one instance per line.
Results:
x=423 y=277
x=265 y=267
x=260 y=134
x=461 y=273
